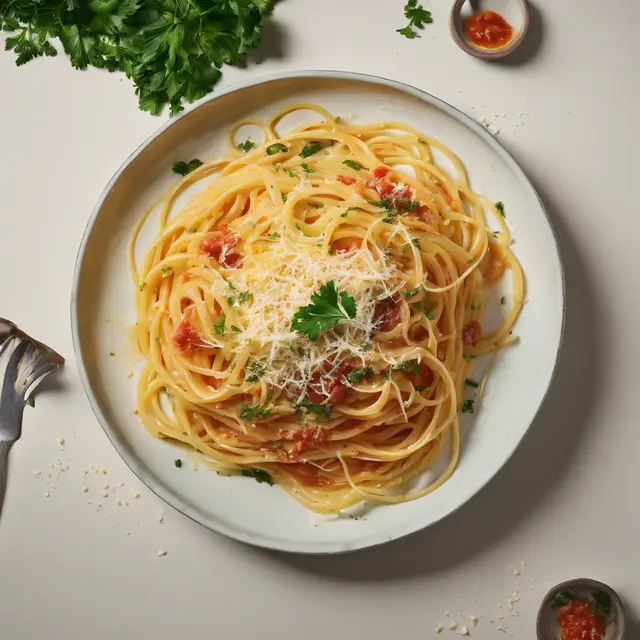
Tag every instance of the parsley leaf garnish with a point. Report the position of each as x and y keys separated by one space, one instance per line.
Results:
x=293 y=174
x=259 y=475
x=166 y=271
x=307 y=168
x=178 y=463
x=417 y=16
x=31 y=400
x=323 y=312
x=254 y=411
x=183 y=168
x=276 y=147
x=247 y=145
x=171 y=50
x=472 y=383
x=356 y=166
x=500 y=207
x=310 y=149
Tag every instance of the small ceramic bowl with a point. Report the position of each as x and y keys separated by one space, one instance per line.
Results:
x=547 y=625
x=515 y=12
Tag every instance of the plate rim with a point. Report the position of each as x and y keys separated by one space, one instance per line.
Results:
x=165 y=493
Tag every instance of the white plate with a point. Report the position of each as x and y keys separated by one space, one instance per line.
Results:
x=102 y=308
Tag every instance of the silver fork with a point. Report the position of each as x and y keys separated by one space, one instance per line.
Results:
x=24 y=364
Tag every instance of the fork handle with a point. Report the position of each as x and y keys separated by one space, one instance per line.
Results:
x=4 y=465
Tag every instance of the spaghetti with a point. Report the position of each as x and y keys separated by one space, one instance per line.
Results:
x=310 y=316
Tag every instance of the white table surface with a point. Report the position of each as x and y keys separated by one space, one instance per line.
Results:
x=566 y=504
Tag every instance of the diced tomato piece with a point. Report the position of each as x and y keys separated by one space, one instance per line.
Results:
x=387 y=314
x=381 y=172
x=308 y=475
x=186 y=339
x=345 y=179
x=424 y=377
x=353 y=245
x=471 y=332
x=423 y=214
x=211 y=381
x=222 y=248
x=332 y=391
x=305 y=439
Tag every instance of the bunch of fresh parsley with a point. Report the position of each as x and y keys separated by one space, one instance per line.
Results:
x=172 y=50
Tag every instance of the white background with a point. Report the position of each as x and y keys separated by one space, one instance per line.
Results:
x=566 y=504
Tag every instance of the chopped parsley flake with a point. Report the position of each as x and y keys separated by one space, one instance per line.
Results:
x=413 y=292
x=248 y=411
x=112 y=353
x=31 y=399
x=355 y=376
x=356 y=166
x=307 y=168
x=310 y=149
x=218 y=326
x=323 y=410
x=293 y=174
x=472 y=383
x=178 y=463
x=276 y=147
x=500 y=207
x=166 y=271
x=503 y=300
x=259 y=475
x=247 y=145
x=183 y=168
x=467 y=406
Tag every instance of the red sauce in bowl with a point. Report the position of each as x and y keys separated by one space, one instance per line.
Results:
x=488 y=30
x=578 y=622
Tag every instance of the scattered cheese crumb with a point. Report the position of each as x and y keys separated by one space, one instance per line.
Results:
x=60 y=441
x=127 y=533
x=134 y=493
x=438 y=628
x=453 y=625
x=474 y=620
x=105 y=494
x=129 y=374
x=161 y=519
x=85 y=488
x=463 y=631
x=46 y=494
x=106 y=486
x=119 y=501
x=162 y=552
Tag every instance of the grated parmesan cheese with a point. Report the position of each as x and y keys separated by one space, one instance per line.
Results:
x=282 y=279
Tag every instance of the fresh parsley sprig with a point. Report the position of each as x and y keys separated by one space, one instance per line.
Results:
x=417 y=17
x=323 y=312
